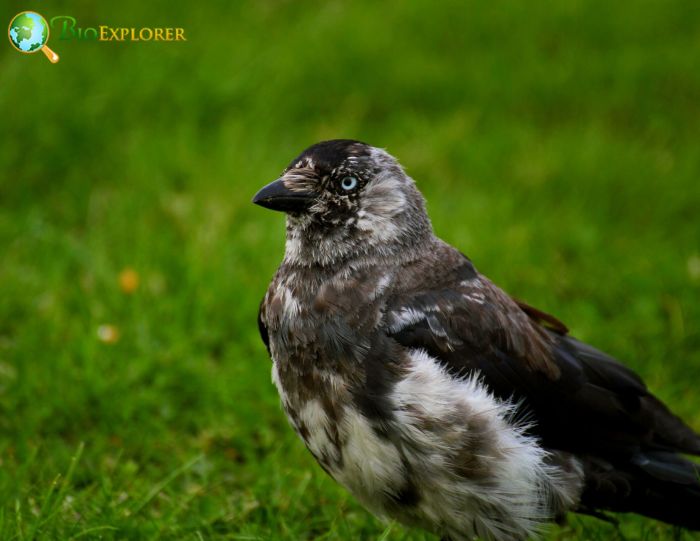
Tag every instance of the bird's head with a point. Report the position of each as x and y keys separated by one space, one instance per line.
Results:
x=346 y=199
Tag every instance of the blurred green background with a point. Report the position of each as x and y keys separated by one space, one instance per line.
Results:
x=557 y=145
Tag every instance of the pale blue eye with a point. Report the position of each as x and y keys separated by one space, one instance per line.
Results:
x=348 y=183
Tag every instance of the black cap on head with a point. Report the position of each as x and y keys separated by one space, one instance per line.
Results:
x=329 y=154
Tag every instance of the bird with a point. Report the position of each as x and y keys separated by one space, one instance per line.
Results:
x=435 y=398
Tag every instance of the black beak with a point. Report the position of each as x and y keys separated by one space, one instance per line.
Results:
x=277 y=196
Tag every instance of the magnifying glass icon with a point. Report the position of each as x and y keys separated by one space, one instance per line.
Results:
x=29 y=32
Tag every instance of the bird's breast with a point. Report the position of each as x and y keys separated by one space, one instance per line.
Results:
x=445 y=453
x=320 y=407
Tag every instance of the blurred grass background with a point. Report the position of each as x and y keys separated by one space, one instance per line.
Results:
x=556 y=143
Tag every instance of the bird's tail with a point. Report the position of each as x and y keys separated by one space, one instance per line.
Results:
x=659 y=484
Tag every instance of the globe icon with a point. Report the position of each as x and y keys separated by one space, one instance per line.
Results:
x=29 y=33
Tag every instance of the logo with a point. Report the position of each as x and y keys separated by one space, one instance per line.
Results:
x=29 y=32
x=69 y=29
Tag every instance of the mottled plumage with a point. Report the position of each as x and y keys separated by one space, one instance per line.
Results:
x=428 y=392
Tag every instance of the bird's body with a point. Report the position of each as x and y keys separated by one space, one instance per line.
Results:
x=429 y=393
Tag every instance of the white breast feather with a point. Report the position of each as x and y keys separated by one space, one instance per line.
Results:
x=371 y=465
x=520 y=484
x=317 y=422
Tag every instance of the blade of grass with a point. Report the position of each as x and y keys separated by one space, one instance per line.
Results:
x=94 y=529
x=18 y=519
x=158 y=487
x=386 y=532
x=54 y=498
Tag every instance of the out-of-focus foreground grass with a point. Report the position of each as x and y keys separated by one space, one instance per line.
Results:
x=556 y=143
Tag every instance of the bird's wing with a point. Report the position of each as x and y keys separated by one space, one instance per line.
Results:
x=262 y=329
x=581 y=399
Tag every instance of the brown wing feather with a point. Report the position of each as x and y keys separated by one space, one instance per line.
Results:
x=542 y=318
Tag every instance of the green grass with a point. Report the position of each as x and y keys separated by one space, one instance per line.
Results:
x=556 y=143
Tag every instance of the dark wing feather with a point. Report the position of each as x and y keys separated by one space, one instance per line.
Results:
x=262 y=329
